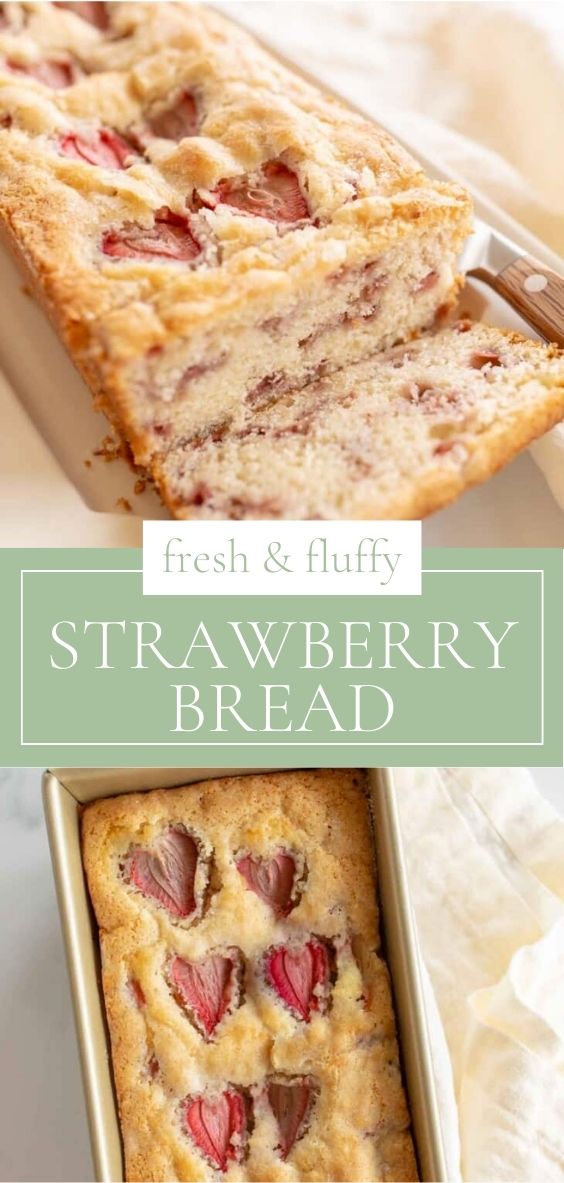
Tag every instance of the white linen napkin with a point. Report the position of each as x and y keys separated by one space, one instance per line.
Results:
x=478 y=86
x=485 y=856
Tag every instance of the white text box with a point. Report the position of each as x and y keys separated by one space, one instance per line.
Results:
x=281 y=558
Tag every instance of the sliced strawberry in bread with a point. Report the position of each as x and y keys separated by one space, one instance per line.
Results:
x=166 y=871
x=217 y=1125
x=177 y=121
x=300 y=976
x=95 y=12
x=290 y=1102
x=272 y=192
x=104 y=148
x=170 y=237
x=58 y=73
x=207 y=989
x=272 y=879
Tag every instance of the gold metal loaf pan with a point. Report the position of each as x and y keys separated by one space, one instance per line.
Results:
x=65 y=790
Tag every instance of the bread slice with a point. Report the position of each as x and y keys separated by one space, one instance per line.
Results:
x=397 y=436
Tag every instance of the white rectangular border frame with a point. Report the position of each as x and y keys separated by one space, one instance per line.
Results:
x=286 y=744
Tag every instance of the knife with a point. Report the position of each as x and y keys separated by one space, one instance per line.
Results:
x=534 y=290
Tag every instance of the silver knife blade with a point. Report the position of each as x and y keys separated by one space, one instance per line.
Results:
x=488 y=249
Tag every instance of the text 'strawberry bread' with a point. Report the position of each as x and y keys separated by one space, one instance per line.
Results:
x=206 y=229
x=397 y=436
x=244 y=984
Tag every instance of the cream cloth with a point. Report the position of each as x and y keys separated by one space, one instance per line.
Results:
x=485 y=855
x=489 y=79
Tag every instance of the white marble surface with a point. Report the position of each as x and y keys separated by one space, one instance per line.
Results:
x=43 y=1134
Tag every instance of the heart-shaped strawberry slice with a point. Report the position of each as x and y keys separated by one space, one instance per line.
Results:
x=104 y=148
x=170 y=237
x=300 y=975
x=177 y=121
x=93 y=11
x=217 y=1126
x=273 y=192
x=290 y=1102
x=56 y=74
x=167 y=871
x=207 y=989
x=272 y=879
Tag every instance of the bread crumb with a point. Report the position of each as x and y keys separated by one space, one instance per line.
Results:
x=124 y=504
x=111 y=449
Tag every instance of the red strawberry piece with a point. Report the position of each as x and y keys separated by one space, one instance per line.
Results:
x=177 y=121
x=104 y=147
x=167 y=871
x=417 y=392
x=95 y=12
x=266 y=386
x=153 y=1066
x=217 y=1126
x=373 y=279
x=56 y=74
x=206 y=989
x=273 y=192
x=137 y=993
x=448 y=447
x=300 y=976
x=170 y=237
x=290 y=1103
x=427 y=282
x=479 y=361
x=196 y=371
x=434 y=400
x=271 y=879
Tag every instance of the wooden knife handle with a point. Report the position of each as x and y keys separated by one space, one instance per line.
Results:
x=536 y=292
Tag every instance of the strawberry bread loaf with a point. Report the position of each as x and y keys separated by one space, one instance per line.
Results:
x=245 y=989
x=206 y=229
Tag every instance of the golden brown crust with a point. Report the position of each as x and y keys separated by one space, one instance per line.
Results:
x=323 y=818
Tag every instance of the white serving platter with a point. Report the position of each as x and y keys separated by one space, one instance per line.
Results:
x=54 y=490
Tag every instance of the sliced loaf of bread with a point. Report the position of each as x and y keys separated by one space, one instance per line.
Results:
x=397 y=436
